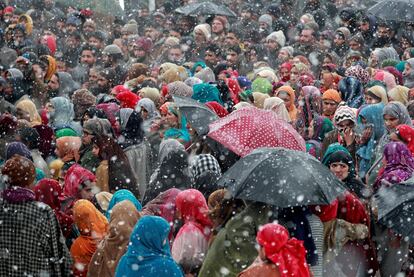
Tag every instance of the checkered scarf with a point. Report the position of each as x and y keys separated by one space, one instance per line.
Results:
x=203 y=163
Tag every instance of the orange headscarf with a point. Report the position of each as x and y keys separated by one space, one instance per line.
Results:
x=291 y=106
x=333 y=95
x=51 y=67
x=93 y=227
x=69 y=147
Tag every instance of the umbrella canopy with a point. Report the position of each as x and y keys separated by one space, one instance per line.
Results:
x=396 y=207
x=250 y=128
x=205 y=8
x=282 y=177
x=396 y=10
x=197 y=114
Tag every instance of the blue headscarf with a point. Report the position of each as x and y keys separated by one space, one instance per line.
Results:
x=336 y=152
x=373 y=116
x=178 y=133
x=197 y=64
x=351 y=92
x=119 y=196
x=206 y=93
x=148 y=252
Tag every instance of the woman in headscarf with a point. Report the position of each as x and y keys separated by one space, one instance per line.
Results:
x=149 y=253
x=206 y=171
x=67 y=150
x=217 y=108
x=400 y=94
x=111 y=110
x=312 y=105
x=277 y=105
x=206 y=92
x=279 y=254
x=93 y=227
x=387 y=78
x=119 y=196
x=124 y=217
x=394 y=114
x=191 y=243
x=114 y=171
x=376 y=94
x=405 y=134
x=136 y=148
x=259 y=98
x=61 y=114
x=351 y=92
x=164 y=206
x=49 y=191
x=329 y=80
x=173 y=170
x=150 y=93
x=284 y=72
x=148 y=112
x=371 y=124
x=38 y=246
x=82 y=100
x=408 y=73
x=287 y=94
x=178 y=125
x=26 y=109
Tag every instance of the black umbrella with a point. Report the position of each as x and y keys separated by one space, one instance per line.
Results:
x=282 y=177
x=396 y=207
x=205 y=8
x=396 y=10
x=197 y=114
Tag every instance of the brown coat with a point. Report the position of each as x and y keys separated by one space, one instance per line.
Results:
x=102 y=176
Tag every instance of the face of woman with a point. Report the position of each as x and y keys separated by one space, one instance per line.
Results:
x=341 y=170
x=373 y=60
x=390 y=122
x=407 y=69
x=21 y=114
x=86 y=190
x=285 y=99
x=50 y=108
x=284 y=73
x=95 y=150
x=58 y=152
x=370 y=100
x=294 y=74
x=144 y=113
x=171 y=119
x=199 y=36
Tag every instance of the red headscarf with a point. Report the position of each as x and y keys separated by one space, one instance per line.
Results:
x=288 y=254
x=406 y=134
x=49 y=191
x=128 y=99
x=234 y=87
x=118 y=89
x=74 y=177
x=288 y=66
x=217 y=108
x=193 y=208
x=50 y=42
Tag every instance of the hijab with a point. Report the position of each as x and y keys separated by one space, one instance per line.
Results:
x=63 y=114
x=277 y=105
x=69 y=147
x=27 y=106
x=131 y=128
x=163 y=205
x=378 y=92
x=400 y=94
x=181 y=132
x=121 y=195
x=288 y=254
x=351 y=92
x=259 y=99
x=206 y=93
x=105 y=260
x=153 y=114
x=311 y=106
x=291 y=105
x=321 y=126
x=397 y=110
x=93 y=227
x=217 y=109
x=149 y=253
x=74 y=178
x=98 y=127
x=406 y=134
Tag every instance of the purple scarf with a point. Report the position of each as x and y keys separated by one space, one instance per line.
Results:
x=16 y=195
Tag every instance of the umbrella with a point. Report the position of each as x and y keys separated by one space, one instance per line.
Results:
x=396 y=10
x=250 y=128
x=281 y=177
x=205 y=8
x=197 y=114
x=396 y=207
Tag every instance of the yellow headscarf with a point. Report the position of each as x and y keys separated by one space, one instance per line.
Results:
x=29 y=23
x=29 y=107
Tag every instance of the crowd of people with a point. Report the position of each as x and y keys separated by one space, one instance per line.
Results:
x=102 y=174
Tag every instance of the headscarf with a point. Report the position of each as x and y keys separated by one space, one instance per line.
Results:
x=217 y=108
x=28 y=24
x=406 y=134
x=55 y=169
x=397 y=110
x=121 y=195
x=153 y=114
x=128 y=99
x=378 y=92
x=192 y=81
x=93 y=227
x=51 y=62
x=344 y=113
x=400 y=94
x=131 y=128
x=330 y=81
x=321 y=126
x=351 y=92
x=409 y=80
x=288 y=254
x=262 y=85
x=206 y=171
x=259 y=99
x=105 y=260
x=18 y=148
x=20 y=171
x=312 y=105
x=49 y=191
x=111 y=111
x=163 y=205
x=374 y=119
x=98 y=127
x=181 y=132
x=399 y=166
x=277 y=105
x=197 y=64
x=74 y=178
x=193 y=208
x=206 y=75
x=359 y=73
x=29 y=107
x=206 y=93
x=288 y=66
x=291 y=106
x=102 y=199
x=167 y=146
x=151 y=93
x=149 y=253
x=69 y=147
x=82 y=99
x=65 y=132
x=63 y=114
x=338 y=153
x=332 y=95
x=387 y=78
x=179 y=88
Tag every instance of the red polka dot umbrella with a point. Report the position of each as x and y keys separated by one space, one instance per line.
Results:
x=250 y=128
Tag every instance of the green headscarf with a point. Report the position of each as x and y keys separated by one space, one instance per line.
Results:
x=262 y=85
x=65 y=132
